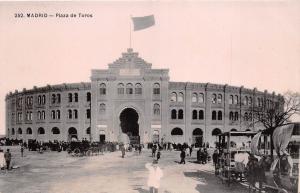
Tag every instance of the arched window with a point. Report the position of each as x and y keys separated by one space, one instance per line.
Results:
x=39 y=99
x=173 y=114
x=197 y=131
x=70 y=97
x=72 y=131
x=129 y=88
x=180 y=97
x=156 y=109
x=216 y=131
x=20 y=131
x=102 y=89
x=195 y=114
x=177 y=131
x=43 y=115
x=194 y=97
x=39 y=115
x=236 y=116
x=250 y=117
x=41 y=131
x=201 y=114
x=230 y=115
x=246 y=116
x=156 y=88
x=75 y=114
x=70 y=114
x=120 y=88
x=246 y=100
x=250 y=101
x=88 y=96
x=88 y=131
x=219 y=98
x=58 y=98
x=29 y=131
x=55 y=131
x=88 y=113
x=248 y=130
x=43 y=99
x=76 y=97
x=180 y=114
x=233 y=129
x=102 y=108
x=219 y=115
x=231 y=99
x=53 y=114
x=236 y=99
x=214 y=115
x=58 y=114
x=214 y=98
x=13 y=131
x=53 y=98
x=173 y=97
x=201 y=98
x=138 y=88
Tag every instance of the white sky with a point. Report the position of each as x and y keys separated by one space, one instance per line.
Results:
x=250 y=43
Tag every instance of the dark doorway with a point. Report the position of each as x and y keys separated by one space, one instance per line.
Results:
x=102 y=138
x=129 y=125
x=72 y=133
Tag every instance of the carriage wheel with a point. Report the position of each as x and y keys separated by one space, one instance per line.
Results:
x=77 y=152
x=89 y=153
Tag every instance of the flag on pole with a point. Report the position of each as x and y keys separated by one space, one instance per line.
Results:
x=140 y=23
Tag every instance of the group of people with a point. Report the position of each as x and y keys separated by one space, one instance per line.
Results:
x=5 y=159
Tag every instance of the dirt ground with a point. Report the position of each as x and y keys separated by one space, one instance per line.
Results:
x=53 y=172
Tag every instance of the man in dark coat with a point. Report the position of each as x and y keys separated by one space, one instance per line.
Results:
x=182 y=156
x=7 y=157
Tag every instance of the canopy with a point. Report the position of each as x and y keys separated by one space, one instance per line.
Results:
x=254 y=144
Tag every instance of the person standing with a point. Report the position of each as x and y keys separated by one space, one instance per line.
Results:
x=182 y=156
x=22 y=150
x=7 y=157
x=158 y=155
x=215 y=157
x=191 y=150
x=155 y=174
x=123 y=151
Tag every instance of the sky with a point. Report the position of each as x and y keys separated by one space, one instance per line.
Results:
x=251 y=43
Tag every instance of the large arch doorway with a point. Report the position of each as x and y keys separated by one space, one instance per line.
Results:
x=129 y=124
x=72 y=134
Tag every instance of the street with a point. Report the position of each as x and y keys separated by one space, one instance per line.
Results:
x=108 y=173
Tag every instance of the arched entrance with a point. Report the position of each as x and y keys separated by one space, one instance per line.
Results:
x=129 y=124
x=72 y=133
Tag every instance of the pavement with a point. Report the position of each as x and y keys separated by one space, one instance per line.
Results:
x=53 y=172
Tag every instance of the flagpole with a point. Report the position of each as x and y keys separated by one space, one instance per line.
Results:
x=130 y=32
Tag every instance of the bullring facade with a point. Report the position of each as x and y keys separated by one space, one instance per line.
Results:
x=130 y=97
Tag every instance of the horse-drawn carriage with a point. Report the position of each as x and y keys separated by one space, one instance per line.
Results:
x=85 y=148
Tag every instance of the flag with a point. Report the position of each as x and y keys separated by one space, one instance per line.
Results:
x=143 y=22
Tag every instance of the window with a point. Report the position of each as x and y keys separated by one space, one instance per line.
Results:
x=214 y=99
x=180 y=97
x=250 y=117
x=219 y=115
x=236 y=99
x=198 y=131
x=39 y=99
x=29 y=131
x=120 y=88
x=173 y=114
x=231 y=115
x=41 y=131
x=138 y=88
x=58 y=114
x=102 y=89
x=58 y=98
x=55 y=131
x=20 y=131
x=53 y=98
x=177 y=131
x=69 y=114
x=231 y=99
x=201 y=114
x=194 y=97
x=88 y=131
x=216 y=131
x=43 y=99
x=102 y=108
x=246 y=116
x=156 y=109
x=236 y=116
x=201 y=98
x=180 y=114
x=12 y=131
x=39 y=115
x=156 y=88
x=75 y=114
x=195 y=114
x=70 y=97
x=214 y=115
x=233 y=129
x=173 y=97
x=53 y=114
x=88 y=113
x=88 y=97
x=245 y=100
x=76 y=97
x=129 y=88
x=219 y=98
x=43 y=115
x=30 y=115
